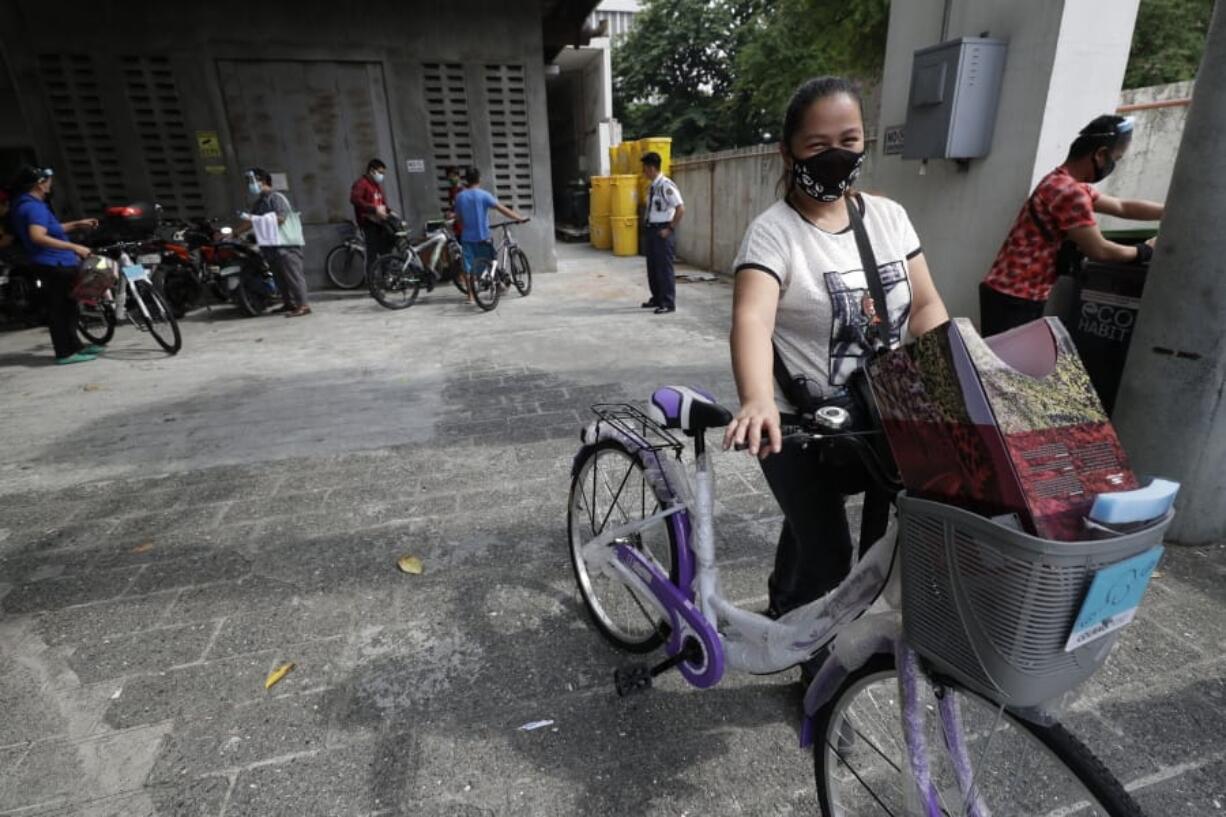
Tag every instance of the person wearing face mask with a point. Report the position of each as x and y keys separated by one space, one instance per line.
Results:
x=803 y=308
x=1061 y=208
x=284 y=253
x=370 y=211
x=53 y=258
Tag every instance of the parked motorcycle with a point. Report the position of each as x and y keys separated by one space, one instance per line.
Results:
x=21 y=296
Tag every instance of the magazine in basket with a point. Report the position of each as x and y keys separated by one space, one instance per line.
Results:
x=1006 y=425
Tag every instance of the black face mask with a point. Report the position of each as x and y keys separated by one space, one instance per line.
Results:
x=826 y=176
x=1103 y=172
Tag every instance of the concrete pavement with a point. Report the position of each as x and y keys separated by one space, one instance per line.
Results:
x=172 y=529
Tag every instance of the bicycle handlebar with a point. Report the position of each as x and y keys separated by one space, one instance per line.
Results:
x=506 y=224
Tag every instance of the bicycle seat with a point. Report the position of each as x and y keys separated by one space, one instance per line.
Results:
x=690 y=410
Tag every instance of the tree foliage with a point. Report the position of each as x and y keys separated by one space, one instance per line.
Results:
x=1168 y=41
x=715 y=74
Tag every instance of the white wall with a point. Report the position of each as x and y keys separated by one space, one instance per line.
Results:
x=1065 y=64
x=1145 y=171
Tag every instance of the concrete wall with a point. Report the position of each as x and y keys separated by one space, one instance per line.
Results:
x=1146 y=170
x=397 y=37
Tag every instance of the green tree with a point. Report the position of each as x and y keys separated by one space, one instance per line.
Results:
x=800 y=39
x=1168 y=41
x=674 y=73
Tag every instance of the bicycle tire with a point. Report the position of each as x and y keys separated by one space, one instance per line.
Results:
x=455 y=266
x=598 y=609
x=345 y=265
x=160 y=318
x=251 y=294
x=484 y=288
x=521 y=271
x=1066 y=749
x=97 y=327
x=391 y=275
x=179 y=285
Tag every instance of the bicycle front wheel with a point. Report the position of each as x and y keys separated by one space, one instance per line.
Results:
x=1016 y=768
x=610 y=489
x=483 y=284
x=346 y=265
x=394 y=282
x=161 y=322
x=521 y=271
x=96 y=322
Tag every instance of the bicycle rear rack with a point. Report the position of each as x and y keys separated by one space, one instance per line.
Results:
x=631 y=420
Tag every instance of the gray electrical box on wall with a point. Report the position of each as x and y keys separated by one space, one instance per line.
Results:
x=955 y=87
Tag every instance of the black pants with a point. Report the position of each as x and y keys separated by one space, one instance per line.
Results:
x=999 y=312
x=61 y=308
x=815 y=546
x=660 y=277
x=378 y=242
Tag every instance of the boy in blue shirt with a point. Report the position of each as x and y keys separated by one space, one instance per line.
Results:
x=472 y=206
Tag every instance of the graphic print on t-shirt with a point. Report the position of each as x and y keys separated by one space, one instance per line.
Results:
x=852 y=304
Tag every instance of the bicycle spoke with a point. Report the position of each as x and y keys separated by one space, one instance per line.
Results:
x=614 y=499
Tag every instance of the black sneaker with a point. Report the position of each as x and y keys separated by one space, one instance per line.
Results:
x=648 y=305
x=664 y=310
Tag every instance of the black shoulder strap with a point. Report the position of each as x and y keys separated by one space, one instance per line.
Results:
x=881 y=327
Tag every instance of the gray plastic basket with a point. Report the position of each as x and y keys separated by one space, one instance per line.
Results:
x=993 y=607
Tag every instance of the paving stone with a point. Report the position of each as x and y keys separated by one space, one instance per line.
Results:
x=321 y=785
x=200 y=691
x=89 y=623
x=147 y=651
x=248 y=594
x=199 y=568
x=297 y=621
x=54 y=594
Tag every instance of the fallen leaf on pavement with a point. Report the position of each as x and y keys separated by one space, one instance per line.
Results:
x=276 y=675
x=410 y=564
x=143 y=547
x=92 y=387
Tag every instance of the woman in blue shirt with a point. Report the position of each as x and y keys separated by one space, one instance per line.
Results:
x=53 y=258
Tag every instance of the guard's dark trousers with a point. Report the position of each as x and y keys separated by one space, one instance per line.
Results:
x=660 y=277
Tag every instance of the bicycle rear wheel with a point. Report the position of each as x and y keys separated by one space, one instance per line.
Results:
x=610 y=488
x=483 y=283
x=161 y=322
x=1020 y=769
x=346 y=265
x=394 y=282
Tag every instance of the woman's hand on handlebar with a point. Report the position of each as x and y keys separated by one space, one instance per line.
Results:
x=756 y=420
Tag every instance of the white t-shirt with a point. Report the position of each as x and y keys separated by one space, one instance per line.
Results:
x=821 y=323
x=663 y=197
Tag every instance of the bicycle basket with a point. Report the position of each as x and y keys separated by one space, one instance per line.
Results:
x=94 y=277
x=993 y=607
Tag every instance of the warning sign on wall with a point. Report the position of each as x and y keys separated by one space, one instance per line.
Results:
x=209 y=144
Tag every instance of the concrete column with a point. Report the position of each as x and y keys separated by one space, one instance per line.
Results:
x=1170 y=412
x=1065 y=65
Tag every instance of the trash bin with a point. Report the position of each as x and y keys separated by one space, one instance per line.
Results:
x=1101 y=319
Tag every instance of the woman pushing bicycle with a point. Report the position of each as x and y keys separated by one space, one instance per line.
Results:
x=805 y=321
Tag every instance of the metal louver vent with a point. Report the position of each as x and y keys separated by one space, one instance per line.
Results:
x=165 y=142
x=509 y=142
x=84 y=134
x=450 y=134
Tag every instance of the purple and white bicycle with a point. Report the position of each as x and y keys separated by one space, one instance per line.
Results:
x=948 y=646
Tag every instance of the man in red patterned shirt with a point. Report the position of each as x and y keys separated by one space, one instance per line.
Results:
x=1061 y=208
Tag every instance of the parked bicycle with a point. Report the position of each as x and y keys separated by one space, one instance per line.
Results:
x=398 y=276
x=508 y=266
x=892 y=732
x=133 y=298
x=346 y=262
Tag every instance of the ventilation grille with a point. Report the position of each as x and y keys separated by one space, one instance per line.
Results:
x=83 y=131
x=509 y=143
x=166 y=144
x=447 y=110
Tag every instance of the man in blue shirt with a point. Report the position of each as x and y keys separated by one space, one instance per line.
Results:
x=472 y=206
x=54 y=259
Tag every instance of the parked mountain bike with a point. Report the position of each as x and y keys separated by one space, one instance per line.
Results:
x=346 y=262
x=398 y=277
x=895 y=729
x=508 y=266
x=133 y=298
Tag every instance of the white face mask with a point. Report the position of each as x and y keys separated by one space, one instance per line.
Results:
x=378 y=177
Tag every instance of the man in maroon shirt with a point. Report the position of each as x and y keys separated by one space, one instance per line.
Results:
x=370 y=211
x=1062 y=207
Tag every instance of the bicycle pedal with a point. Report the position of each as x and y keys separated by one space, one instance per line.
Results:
x=632 y=679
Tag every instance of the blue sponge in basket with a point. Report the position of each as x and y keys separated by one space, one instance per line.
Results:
x=1128 y=507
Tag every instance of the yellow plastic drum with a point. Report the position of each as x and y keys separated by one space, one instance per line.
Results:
x=634 y=166
x=625 y=235
x=623 y=159
x=625 y=198
x=662 y=145
x=601 y=195
x=613 y=159
x=601 y=237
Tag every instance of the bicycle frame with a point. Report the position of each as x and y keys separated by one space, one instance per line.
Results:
x=858 y=618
